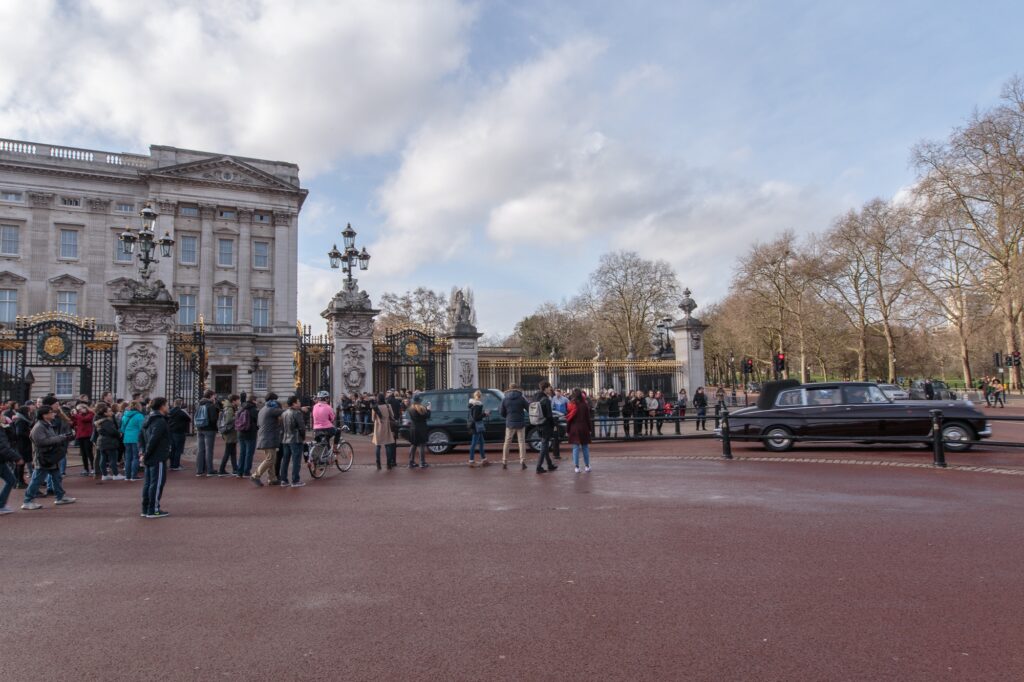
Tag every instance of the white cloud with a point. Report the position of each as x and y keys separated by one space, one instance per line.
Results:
x=306 y=81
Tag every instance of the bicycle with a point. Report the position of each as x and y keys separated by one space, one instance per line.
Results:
x=321 y=455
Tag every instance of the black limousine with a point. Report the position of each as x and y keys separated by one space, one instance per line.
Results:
x=859 y=411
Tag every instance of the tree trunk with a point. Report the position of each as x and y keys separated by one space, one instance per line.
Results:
x=890 y=347
x=862 y=355
x=1010 y=332
x=965 y=358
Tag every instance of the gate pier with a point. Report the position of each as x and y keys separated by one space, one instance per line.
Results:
x=144 y=326
x=350 y=327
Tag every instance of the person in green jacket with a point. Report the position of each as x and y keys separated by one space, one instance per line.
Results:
x=131 y=427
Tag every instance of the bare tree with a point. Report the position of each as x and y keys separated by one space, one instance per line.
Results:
x=420 y=307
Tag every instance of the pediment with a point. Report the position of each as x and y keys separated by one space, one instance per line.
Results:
x=224 y=284
x=8 y=277
x=66 y=280
x=223 y=170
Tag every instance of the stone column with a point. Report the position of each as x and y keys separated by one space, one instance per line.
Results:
x=143 y=326
x=600 y=368
x=350 y=324
x=284 y=258
x=688 y=336
x=244 y=312
x=207 y=263
x=463 y=358
x=631 y=369
x=552 y=370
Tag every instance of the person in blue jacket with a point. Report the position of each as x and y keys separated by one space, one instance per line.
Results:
x=131 y=427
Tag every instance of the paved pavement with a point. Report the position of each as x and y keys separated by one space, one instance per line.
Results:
x=651 y=567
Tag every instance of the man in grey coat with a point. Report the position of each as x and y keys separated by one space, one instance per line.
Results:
x=268 y=440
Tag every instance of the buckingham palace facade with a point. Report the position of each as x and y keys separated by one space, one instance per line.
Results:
x=234 y=221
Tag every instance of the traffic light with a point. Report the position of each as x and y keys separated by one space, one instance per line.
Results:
x=748 y=366
x=780 y=362
x=997 y=359
x=1016 y=358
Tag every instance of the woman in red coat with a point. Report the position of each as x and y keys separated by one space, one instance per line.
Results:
x=579 y=426
x=82 y=419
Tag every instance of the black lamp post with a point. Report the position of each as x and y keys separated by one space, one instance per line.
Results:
x=664 y=328
x=255 y=365
x=146 y=241
x=348 y=259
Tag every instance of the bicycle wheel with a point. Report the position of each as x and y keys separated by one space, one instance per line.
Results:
x=343 y=456
x=318 y=460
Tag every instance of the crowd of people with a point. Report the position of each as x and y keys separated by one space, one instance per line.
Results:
x=994 y=391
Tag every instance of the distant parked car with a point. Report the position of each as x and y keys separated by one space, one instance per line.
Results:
x=894 y=392
x=942 y=391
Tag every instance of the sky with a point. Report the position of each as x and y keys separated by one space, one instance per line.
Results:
x=505 y=146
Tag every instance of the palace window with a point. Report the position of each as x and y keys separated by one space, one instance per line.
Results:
x=70 y=201
x=226 y=214
x=259 y=380
x=7 y=195
x=9 y=240
x=119 y=255
x=187 y=309
x=189 y=250
x=225 y=253
x=261 y=312
x=8 y=305
x=188 y=211
x=124 y=208
x=69 y=244
x=261 y=255
x=225 y=313
x=62 y=382
x=261 y=217
x=67 y=302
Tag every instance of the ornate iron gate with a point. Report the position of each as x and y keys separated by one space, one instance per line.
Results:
x=312 y=364
x=410 y=359
x=57 y=341
x=186 y=364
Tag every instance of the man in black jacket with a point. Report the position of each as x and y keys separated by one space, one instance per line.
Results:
x=547 y=428
x=206 y=434
x=48 y=450
x=513 y=409
x=8 y=458
x=178 y=422
x=155 y=456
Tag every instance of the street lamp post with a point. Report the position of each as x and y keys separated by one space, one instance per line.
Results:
x=348 y=259
x=146 y=242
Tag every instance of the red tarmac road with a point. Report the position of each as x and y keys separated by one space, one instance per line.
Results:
x=654 y=568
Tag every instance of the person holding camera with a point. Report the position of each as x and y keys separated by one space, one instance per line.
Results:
x=49 y=448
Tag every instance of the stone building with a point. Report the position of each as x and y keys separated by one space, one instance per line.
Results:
x=235 y=225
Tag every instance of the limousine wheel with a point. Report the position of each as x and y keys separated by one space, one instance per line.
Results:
x=957 y=436
x=533 y=439
x=438 y=442
x=778 y=439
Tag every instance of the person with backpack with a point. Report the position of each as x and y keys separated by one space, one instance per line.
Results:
x=131 y=428
x=226 y=429
x=205 y=420
x=543 y=417
x=268 y=442
x=157 y=452
x=513 y=409
x=178 y=423
x=246 y=429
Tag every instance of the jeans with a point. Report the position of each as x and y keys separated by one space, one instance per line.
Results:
x=38 y=474
x=107 y=458
x=153 y=487
x=247 y=450
x=602 y=426
x=576 y=454
x=204 y=451
x=281 y=462
x=347 y=418
x=294 y=451
x=476 y=443
x=177 y=448
x=367 y=423
x=230 y=451
x=131 y=461
x=8 y=477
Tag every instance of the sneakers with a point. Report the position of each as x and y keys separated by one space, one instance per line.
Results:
x=586 y=470
x=484 y=462
x=577 y=470
x=86 y=473
x=256 y=482
x=31 y=505
x=65 y=500
x=118 y=477
x=300 y=484
x=159 y=514
x=6 y=510
x=283 y=484
x=107 y=478
x=472 y=464
x=176 y=468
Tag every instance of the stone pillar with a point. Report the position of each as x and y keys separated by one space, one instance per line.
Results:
x=688 y=335
x=205 y=304
x=631 y=369
x=243 y=313
x=350 y=325
x=463 y=359
x=143 y=326
x=600 y=368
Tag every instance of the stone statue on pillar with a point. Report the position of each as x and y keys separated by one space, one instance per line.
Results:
x=688 y=334
x=463 y=341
